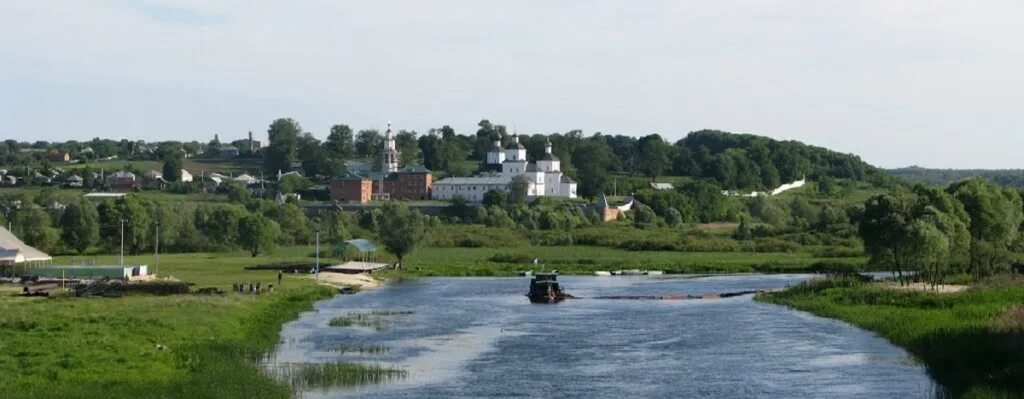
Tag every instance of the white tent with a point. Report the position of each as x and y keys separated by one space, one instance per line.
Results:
x=13 y=250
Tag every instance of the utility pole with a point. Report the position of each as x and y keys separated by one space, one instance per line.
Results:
x=318 y=251
x=122 y=242
x=156 y=250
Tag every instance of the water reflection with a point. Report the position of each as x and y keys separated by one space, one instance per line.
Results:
x=480 y=337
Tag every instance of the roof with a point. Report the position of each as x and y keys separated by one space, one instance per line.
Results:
x=14 y=250
x=474 y=180
x=122 y=174
x=414 y=168
x=105 y=195
x=244 y=178
x=549 y=157
x=363 y=245
x=566 y=179
x=661 y=186
x=350 y=176
x=515 y=146
x=531 y=167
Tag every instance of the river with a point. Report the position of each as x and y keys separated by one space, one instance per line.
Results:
x=480 y=337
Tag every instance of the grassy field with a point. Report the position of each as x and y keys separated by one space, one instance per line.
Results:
x=153 y=346
x=580 y=259
x=971 y=342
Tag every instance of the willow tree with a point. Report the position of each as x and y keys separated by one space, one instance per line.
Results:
x=995 y=219
x=400 y=229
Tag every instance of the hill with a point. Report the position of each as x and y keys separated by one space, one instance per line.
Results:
x=750 y=161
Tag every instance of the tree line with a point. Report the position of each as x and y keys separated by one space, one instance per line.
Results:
x=970 y=226
x=730 y=161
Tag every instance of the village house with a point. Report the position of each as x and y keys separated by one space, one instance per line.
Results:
x=58 y=156
x=122 y=180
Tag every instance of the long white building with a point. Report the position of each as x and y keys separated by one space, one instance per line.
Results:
x=544 y=178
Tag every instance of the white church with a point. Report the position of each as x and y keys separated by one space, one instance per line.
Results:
x=544 y=178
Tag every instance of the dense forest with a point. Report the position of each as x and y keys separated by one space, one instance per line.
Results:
x=941 y=177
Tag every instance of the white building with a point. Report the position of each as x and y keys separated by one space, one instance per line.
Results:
x=185 y=176
x=544 y=178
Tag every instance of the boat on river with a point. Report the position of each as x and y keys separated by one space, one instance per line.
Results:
x=544 y=288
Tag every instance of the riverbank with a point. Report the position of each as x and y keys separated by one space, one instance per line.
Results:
x=145 y=346
x=585 y=260
x=971 y=341
x=361 y=281
x=161 y=346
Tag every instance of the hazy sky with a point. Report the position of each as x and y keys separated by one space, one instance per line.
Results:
x=932 y=83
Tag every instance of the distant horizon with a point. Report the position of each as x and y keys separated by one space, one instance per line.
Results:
x=896 y=84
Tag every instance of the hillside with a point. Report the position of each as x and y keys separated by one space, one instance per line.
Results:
x=750 y=161
x=943 y=177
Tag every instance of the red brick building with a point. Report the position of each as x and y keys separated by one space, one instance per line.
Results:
x=410 y=183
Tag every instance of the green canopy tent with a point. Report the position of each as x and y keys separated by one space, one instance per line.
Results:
x=366 y=248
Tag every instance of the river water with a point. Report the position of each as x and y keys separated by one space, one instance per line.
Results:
x=480 y=337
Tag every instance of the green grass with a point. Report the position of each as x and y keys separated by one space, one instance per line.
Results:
x=375 y=319
x=142 y=346
x=580 y=259
x=341 y=374
x=961 y=338
x=362 y=350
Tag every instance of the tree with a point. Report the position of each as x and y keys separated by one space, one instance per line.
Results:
x=884 y=230
x=295 y=226
x=673 y=218
x=643 y=216
x=257 y=233
x=219 y=223
x=518 y=190
x=284 y=143
x=653 y=156
x=33 y=226
x=495 y=197
x=400 y=229
x=340 y=144
x=80 y=226
x=407 y=146
x=172 y=155
x=369 y=144
x=292 y=183
x=995 y=219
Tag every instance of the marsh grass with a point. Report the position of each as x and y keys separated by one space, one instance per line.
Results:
x=302 y=376
x=375 y=319
x=1011 y=321
x=362 y=349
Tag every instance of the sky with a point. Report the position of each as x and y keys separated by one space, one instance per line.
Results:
x=930 y=83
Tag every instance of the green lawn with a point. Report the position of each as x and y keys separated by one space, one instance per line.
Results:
x=108 y=347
